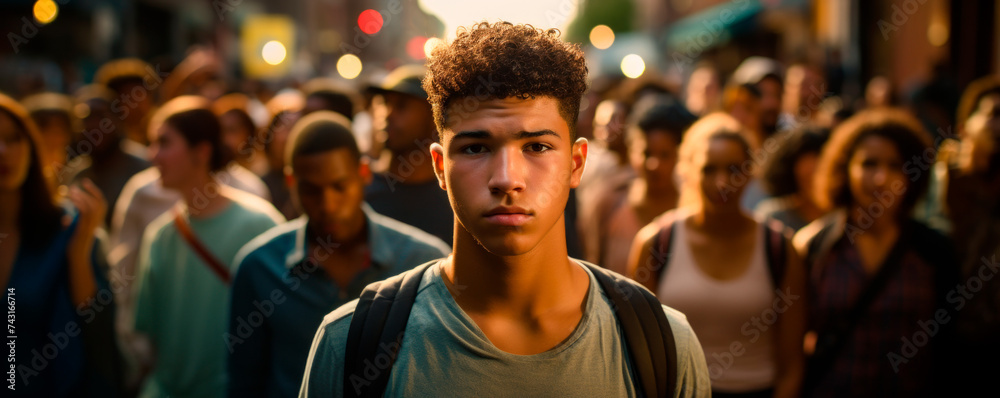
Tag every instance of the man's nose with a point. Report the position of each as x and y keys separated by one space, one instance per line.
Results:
x=509 y=171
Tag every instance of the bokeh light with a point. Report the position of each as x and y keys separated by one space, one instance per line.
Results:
x=415 y=47
x=273 y=52
x=370 y=21
x=633 y=66
x=602 y=37
x=349 y=66
x=45 y=11
x=430 y=45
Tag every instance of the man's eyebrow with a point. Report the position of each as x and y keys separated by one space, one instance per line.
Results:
x=480 y=134
x=471 y=134
x=533 y=134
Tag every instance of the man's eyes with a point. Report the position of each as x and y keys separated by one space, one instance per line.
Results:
x=474 y=149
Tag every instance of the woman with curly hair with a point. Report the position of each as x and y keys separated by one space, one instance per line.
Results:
x=736 y=278
x=876 y=277
x=54 y=271
x=788 y=175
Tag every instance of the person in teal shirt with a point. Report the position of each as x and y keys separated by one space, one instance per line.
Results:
x=508 y=312
x=291 y=276
x=181 y=302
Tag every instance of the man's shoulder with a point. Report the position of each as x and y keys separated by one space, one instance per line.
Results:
x=398 y=232
x=336 y=324
x=278 y=240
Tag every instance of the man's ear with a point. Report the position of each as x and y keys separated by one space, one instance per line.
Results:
x=365 y=170
x=579 y=153
x=437 y=157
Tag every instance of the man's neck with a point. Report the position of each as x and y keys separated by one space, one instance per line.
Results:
x=409 y=168
x=524 y=286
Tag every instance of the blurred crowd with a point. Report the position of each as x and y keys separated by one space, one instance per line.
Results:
x=848 y=247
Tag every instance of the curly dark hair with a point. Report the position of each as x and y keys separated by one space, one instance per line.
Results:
x=503 y=60
x=778 y=174
x=832 y=189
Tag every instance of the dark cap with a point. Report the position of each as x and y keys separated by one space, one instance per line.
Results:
x=405 y=79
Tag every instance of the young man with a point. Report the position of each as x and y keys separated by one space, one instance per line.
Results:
x=294 y=274
x=508 y=310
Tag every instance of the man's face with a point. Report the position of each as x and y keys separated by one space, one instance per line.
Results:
x=330 y=187
x=770 y=101
x=408 y=121
x=508 y=167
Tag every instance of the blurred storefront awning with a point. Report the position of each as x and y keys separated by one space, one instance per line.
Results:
x=716 y=25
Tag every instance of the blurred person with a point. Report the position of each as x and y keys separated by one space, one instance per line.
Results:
x=285 y=109
x=935 y=101
x=199 y=73
x=704 y=89
x=184 y=273
x=832 y=112
x=316 y=263
x=55 y=274
x=742 y=102
x=788 y=177
x=654 y=132
x=239 y=131
x=768 y=76
x=409 y=178
x=58 y=124
x=879 y=93
x=875 y=275
x=724 y=269
x=110 y=164
x=142 y=200
x=323 y=93
x=607 y=176
x=973 y=207
x=508 y=310
x=805 y=89
x=136 y=84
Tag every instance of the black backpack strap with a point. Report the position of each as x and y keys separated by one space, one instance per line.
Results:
x=661 y=249
x=648 y=335
x=378 y=324
x=776 y=237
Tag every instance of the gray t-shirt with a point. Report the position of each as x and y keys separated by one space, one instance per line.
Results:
x=444 y=353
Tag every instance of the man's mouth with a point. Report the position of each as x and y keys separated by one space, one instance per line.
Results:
x=508 y=216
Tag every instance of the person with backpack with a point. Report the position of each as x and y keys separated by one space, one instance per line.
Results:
x=881 y=285
x=291 y=276
x=508 y=312
x=737 y=278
